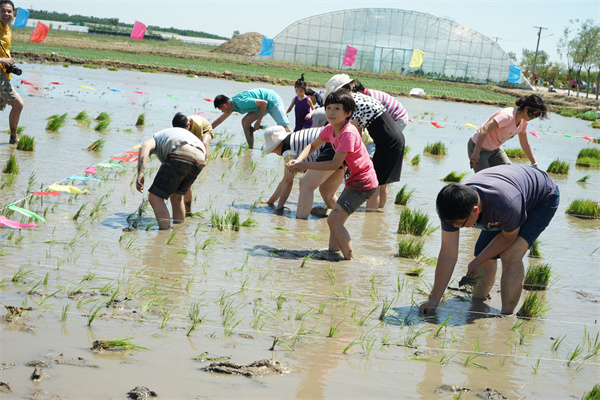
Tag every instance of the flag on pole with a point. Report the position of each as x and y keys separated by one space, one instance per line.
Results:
x=21 y=18
x=514 y=74
x=138 y=31
x=266 y=47
x=350 y=56
x=39 y=33
x=417 y=59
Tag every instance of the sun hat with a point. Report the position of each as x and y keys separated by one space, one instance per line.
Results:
x=273 y=137
x=336 y=82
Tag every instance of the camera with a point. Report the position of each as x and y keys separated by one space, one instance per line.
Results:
x=13 y=69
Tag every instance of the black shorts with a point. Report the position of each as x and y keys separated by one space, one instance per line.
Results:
x=175 y=175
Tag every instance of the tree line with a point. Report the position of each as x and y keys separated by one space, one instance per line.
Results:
x=113 y=23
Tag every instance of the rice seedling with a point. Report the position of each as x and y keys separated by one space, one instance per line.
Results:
x=102 y=126
x=593 y=394
x=20 y=274
x=65 y=313
x=322 y=306
x=330 y=274
x=229 y=221
x=171 y=237
x=166 y=316
x=537 y=277
x=418 y=272
x=121 y=344
x=103 y=116
x=534 y=250
x=279 y=301
x=403 y=196
x=94 y=312
x=515 y=153
x=307 y=257
x=584 y=179
x=556 y=345
x=26 y=143
x=415 y=160
x=558 y=167
x=300 y=315
x=412 y=336
x=577 y=351
x=469 y=361
x=11 y=167
x=334 y=327
x=533 y=306
x=409 y=249
x=414 y=223
x=385 y=308
x=584 y=208
x=437 y=148
x=8 y=181
x=141 y=120
x=587 y=162
x=454 y=177
x=589 y=152
x=96 y=146
x=56 y=122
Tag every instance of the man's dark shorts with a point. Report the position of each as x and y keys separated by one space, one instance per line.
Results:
x=537 y=221
x=176 y=174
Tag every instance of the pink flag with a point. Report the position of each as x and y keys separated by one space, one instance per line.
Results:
x=39 y=33
x=588 y=138
x=54 y=193
x=138 y=31
x=436 y=125
x=91 y=170
x=127 y=158
x=132 y=153
x=535 y=134
x=350 y=56
x=138 y=92
x=12 y=224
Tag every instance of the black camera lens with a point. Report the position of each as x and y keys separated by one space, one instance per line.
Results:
x=14 y=70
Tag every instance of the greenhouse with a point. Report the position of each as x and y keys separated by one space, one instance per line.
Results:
x=384 y=40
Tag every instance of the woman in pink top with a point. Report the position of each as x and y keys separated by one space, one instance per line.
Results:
x=360 y=176
x=485 y=146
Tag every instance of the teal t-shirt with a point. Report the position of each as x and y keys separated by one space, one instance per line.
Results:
x=245 y=102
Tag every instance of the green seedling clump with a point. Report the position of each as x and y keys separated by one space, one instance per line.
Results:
x=141 y=120
x=103 y=116
x=437 y=148
x=593 y=394
x=90 y=66
x=584 y=209
x=583 y=179
x=230 y=221
x=56 y=121
x=515 y=153
x=112 y=68
x=11 y=165
x=567 y=113
x=415 y=160
x=587 y=117
x=83 y=118
x=102 y=126
x=588 y=157
x=537 y=277
x=26 y=143
x=419 y=271
x=150 y=70
x=409 y=249
x=245 y=80
x=403 y=196
x=595 y=125
x=455 y=177
x=96 y=146
x=558 y=167
x=121 y=344
x=534 y=306
x=534 y=250
x=414 y=223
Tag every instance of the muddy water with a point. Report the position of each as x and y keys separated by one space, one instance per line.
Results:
x=236 y=278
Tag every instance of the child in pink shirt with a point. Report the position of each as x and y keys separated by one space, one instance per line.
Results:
x=360 y=177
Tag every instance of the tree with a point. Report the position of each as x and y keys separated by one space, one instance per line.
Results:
x=235 y=33
x=585 y=45
x=528 y=56
x=565 y=48
x=512 y=57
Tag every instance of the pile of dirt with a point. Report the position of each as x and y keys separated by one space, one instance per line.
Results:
x=247 y=44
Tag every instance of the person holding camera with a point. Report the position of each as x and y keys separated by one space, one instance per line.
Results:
x=8 y=95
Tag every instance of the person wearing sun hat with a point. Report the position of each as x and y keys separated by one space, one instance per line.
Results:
x=289 y=145
x=388 y=138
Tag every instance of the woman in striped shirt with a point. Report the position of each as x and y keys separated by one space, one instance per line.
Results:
x=393 y=106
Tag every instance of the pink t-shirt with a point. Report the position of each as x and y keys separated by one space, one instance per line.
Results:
x=358 y=167
x=507 y=128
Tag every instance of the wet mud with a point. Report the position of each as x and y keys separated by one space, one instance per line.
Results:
x=259 y=368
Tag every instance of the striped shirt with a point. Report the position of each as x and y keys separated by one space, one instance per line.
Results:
x=297 y=141
x=393 y=106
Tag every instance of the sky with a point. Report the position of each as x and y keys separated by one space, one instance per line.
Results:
x=511 y=23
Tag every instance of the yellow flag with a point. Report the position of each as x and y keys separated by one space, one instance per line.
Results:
x=471 y=126
x=417 y=59
x=67 y=188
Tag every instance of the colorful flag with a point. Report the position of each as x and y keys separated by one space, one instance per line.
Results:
x=66 y=188
x=471 y=125
x=266 y=47
x=535 y=134
x=91 y=170
x=417 y=59
x=12 y=224
x=436 y=125
x=138 y=31
x=83 y=178
x=21 y=18
x=55 y=193
x=350 y=56
x=514 y=74
x=39 y=33
x=25 y=212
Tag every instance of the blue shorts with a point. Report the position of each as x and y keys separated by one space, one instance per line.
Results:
x=277 y=112
x=537 y=221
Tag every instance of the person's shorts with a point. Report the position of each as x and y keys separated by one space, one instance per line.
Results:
x=277 y=112
x=488 y=158
x=176 y=174
x=537 y=221
x=351 y=199
x=326 y=153
x=7 y=93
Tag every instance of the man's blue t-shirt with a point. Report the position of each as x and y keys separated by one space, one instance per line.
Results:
x=245 y=102
x=507 y=194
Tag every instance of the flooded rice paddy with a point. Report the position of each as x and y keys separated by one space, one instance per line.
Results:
x=196 y=294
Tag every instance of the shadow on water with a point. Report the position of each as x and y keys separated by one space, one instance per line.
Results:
x=324 y=255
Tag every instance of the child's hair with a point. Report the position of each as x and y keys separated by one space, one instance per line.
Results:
x=300 y=83
x=180 y=120
x=456 y=201
x=220 y=100
x=358 y=87
x=534 y=102
x=343 y=97
x=310 y=92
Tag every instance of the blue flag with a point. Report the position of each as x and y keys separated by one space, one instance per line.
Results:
x=266 y=48
x=514 y=74
x=22 y=18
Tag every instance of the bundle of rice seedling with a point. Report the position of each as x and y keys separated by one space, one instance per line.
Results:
x=537 y=277
x=515 y=153
x=414 y=223
x=102 y=126
x=26 y=143
x=437 y=148
x=121 y=344
x=56 y=121
x=141 y=120
x=534 y=306
x=403 y=196
x=407 y=248
x=103 y=116
x=454 y=177
x=558 y=167
x=584 y=208
x=96 y=146
x=11 y=165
